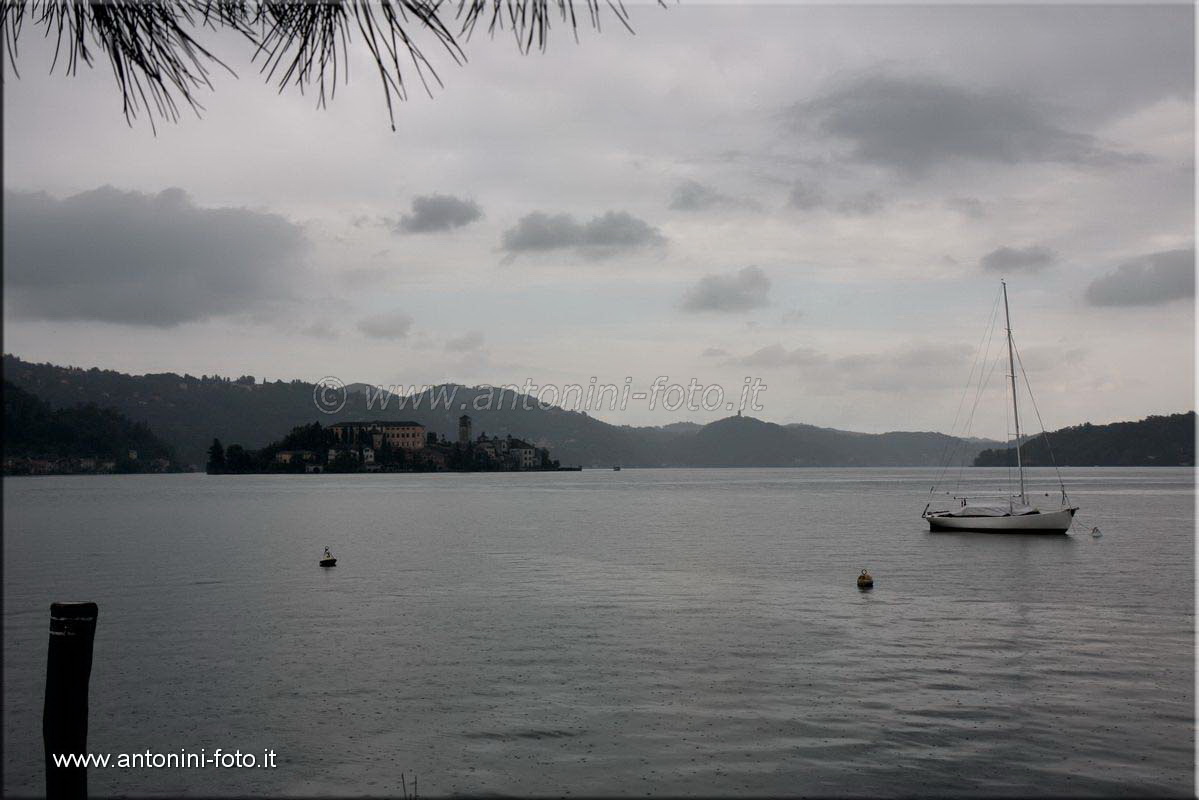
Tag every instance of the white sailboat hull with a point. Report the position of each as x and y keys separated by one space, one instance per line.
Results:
x=1042 y=522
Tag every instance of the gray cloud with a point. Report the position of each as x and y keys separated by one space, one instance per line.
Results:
x=320 y=330
x=912 y=124
x=862 y=205
x=695 y=196
x=390 y=325
x=1018 y=259
x=896 y=369
x=742 y=290
x=805 y=196
x=776 y=355
x=1150 y=280
x=471 y=340
x=614 y=232
x=968 y=206
x=541 y=231
x=903 y=368
x=369 y=278
x=143 y=259
x=714 y=352
x=620 y=230
x=692 y=195
x=438 y=212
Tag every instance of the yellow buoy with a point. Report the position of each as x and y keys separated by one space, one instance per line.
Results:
x=865 y=581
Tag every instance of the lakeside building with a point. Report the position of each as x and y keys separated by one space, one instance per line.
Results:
x=82 y=465
x=292 y=456
x=388 y=446
x=405 y=435
x=522 y=454
x=361 y=442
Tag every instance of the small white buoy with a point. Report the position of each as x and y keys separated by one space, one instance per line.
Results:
x=1095 y=532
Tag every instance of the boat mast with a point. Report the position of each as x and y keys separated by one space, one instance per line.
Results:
x=1015 y=406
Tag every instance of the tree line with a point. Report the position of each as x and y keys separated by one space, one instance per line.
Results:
x=34 y=429
x=1156 y=441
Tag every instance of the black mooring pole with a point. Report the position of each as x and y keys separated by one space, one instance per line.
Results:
x=64 y=719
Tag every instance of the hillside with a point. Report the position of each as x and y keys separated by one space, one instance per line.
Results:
x=1151 y=442
x=32 y=429
x=188 y=412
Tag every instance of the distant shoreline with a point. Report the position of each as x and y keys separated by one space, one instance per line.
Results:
x=589 y=469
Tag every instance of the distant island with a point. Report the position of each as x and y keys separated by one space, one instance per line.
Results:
x=1167 y=441
x=82 y=439
x=186 y=412
x=381 y=446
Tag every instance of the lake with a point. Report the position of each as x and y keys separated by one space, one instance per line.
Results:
x=610 y=633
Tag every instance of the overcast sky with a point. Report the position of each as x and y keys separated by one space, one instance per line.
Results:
x=824 y=197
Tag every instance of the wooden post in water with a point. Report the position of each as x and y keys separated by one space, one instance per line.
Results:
x=64 y=718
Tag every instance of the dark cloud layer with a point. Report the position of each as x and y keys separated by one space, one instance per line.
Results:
x=143 y=259
x=614 y=232
x=439 y=212
x=912 y=124
x=1018 y=259
x=742 y=290
x=1150 y=280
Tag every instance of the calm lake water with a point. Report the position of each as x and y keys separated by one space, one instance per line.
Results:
x=609 y=633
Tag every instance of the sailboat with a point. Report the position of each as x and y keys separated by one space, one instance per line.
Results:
x=1007 y=513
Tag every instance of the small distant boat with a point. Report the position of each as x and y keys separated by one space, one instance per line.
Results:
x=616 y=467
x=328 y=560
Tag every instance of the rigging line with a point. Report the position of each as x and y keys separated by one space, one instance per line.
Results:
x=1044 y=433
x=984 y=379
x=978 y=397
x=949 y=452
x=980 y=360
x=982 y=384
x=1008 y=435
x=969 y=425
x=979 y=363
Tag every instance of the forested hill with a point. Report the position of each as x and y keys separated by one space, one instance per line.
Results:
x=188 y=412
x=1151 y=442
x=32 y=429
